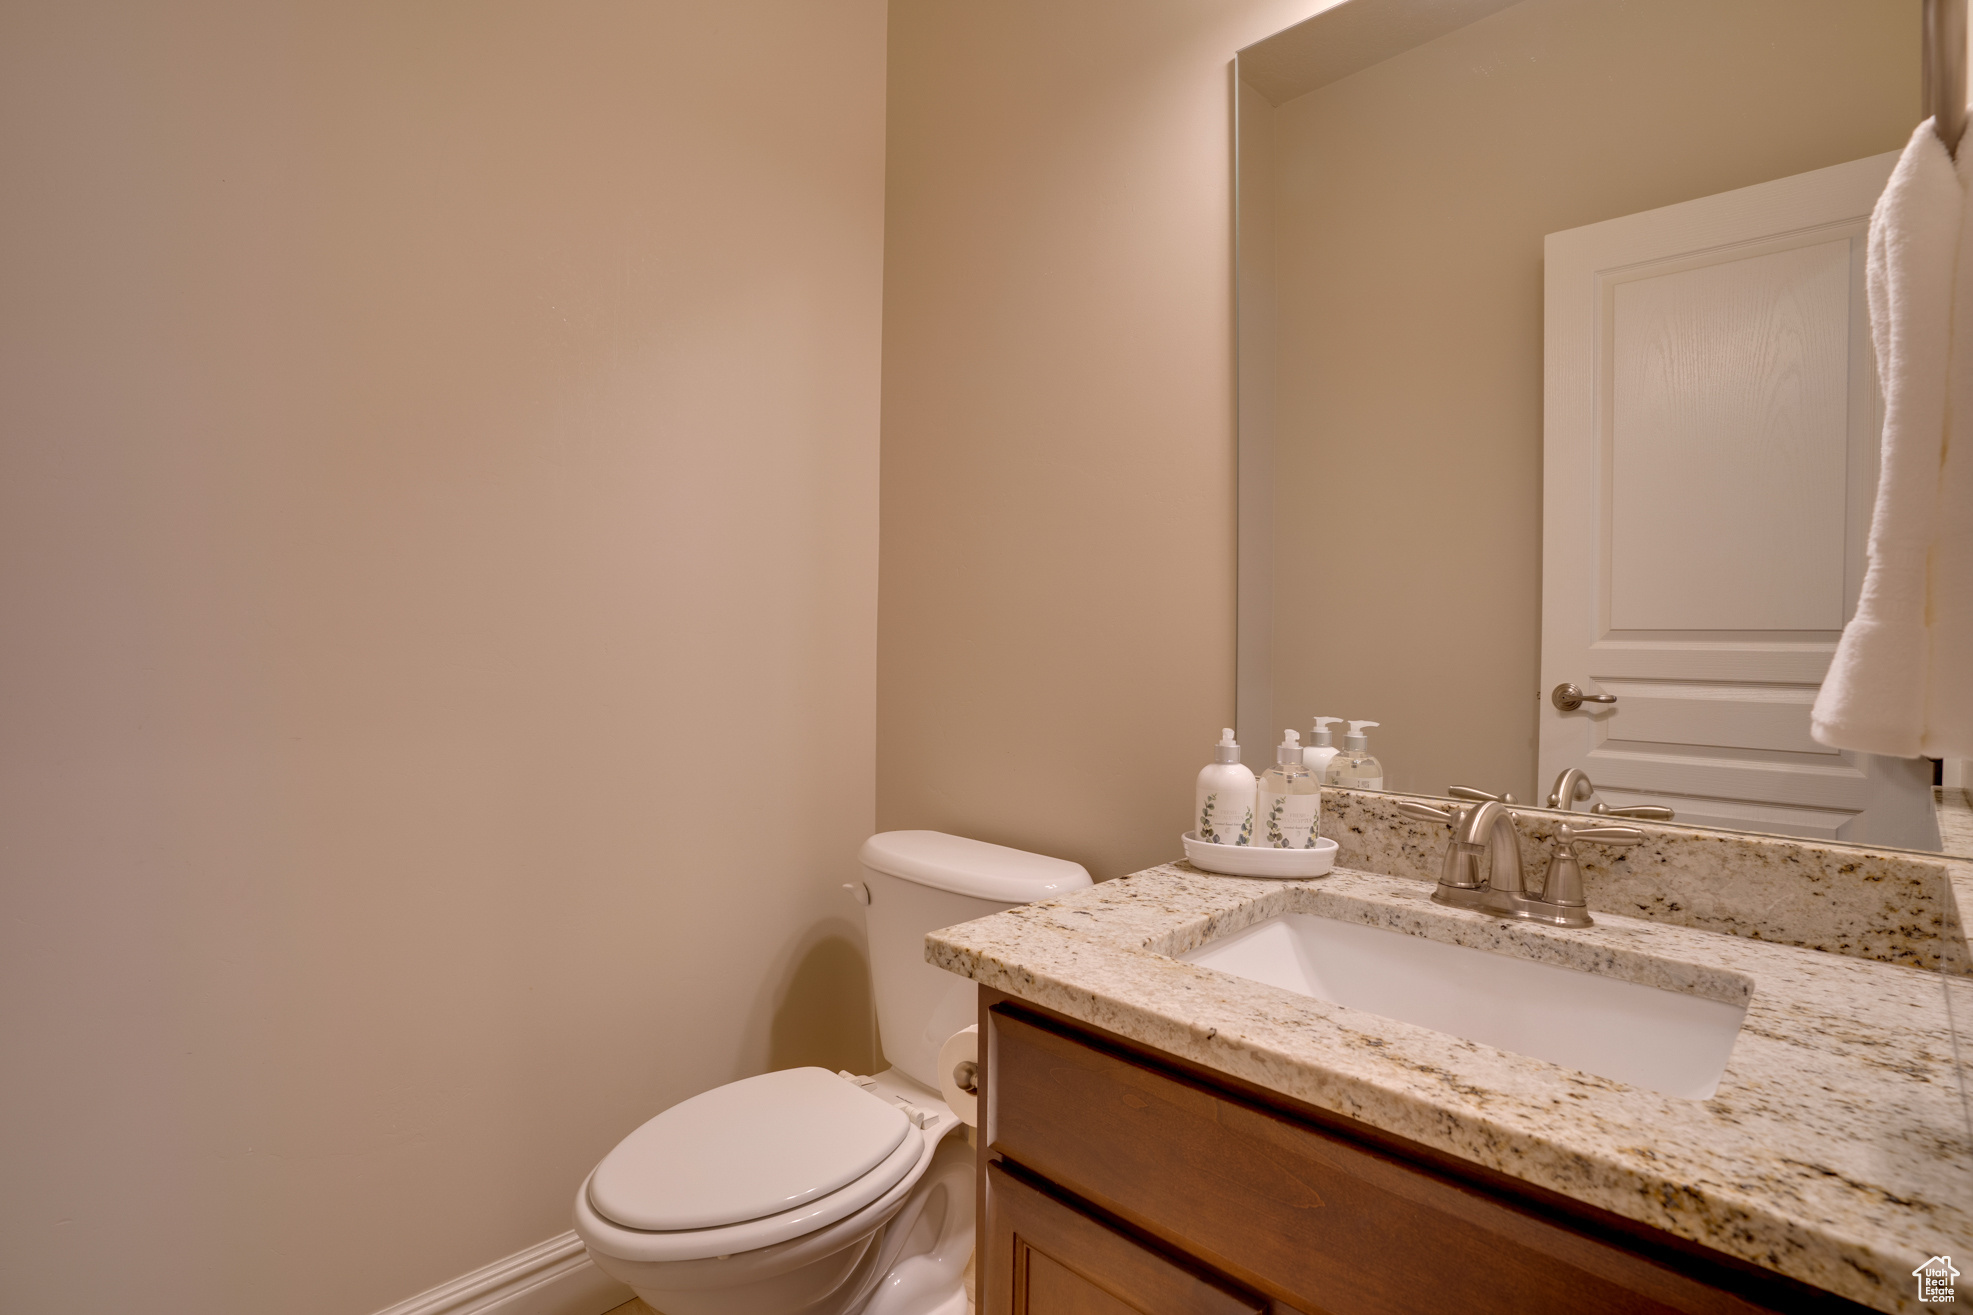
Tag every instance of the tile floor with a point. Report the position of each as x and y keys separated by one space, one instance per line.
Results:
x=631 y=1307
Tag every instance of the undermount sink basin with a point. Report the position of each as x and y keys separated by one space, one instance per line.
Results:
x=1668 y=1041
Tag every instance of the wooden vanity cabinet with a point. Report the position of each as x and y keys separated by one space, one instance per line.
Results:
x=1117 y=1179
x=1053 y=1259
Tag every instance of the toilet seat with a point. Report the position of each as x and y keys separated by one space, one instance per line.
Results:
x=797 y=1133
x=692 y=1255
x=745 y=1151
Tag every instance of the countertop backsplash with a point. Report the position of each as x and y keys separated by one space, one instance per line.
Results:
x=1885 y=905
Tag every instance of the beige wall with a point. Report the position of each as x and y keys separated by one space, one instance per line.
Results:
x=1056 y=616
x=438 y=460
x=1412 y=202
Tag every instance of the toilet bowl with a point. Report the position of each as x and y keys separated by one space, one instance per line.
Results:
x=805 y=1192
x=825 y=1254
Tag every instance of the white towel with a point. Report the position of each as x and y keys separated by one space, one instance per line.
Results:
x=1900 y=674
x=1949 y=600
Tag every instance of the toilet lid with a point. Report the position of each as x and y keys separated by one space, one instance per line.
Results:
x=746 y=1150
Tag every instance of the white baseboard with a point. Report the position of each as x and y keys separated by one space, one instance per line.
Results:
x=554 y=1278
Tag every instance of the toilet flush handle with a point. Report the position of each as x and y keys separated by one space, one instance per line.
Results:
x=858 y=892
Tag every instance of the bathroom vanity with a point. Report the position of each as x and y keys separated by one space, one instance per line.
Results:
x=1184 y=1191
x=1170 y=1125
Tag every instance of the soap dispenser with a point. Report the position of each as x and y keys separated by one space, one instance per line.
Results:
x=1321 y=748
x=1290 y=798
x=1226 y=796
x=1354 y=768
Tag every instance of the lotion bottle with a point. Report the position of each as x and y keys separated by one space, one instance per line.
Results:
x=1321 y=748
x=1226 y=796
x=1354 y=768
x=1290 y=799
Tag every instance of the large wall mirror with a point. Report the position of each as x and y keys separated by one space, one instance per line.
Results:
x=1556 y=384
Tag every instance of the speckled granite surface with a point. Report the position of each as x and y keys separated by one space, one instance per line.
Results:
x=1837 y=1149
x=1887 y=905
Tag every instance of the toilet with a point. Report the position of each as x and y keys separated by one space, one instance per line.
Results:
x=806 y=1192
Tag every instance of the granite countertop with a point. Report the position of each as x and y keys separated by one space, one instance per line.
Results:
x=1837 y=1149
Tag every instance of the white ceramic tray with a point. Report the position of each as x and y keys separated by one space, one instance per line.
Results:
x=1258 y=861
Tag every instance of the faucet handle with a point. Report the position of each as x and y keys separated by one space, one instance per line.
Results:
x=1642 y=812
x=1561 y=899
x=1427 y=814
x=1479 y=796
x=1602 y=835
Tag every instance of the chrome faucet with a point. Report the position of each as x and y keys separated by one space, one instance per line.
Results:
x=1486 y=826
x=1570 y=786
x=1489 y=826
x=1574 y=785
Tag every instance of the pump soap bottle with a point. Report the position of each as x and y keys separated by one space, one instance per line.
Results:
x=1354 y=768
x=1290 y=798
x=1226 y=796
x=1321 y=748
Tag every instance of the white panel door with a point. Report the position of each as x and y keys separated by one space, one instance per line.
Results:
x=1710 y=458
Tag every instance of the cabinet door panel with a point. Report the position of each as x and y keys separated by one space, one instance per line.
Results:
x=1052 y=1288
x=1044 y=1257
x=1292 y=1210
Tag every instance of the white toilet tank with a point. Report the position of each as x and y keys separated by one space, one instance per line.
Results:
x=919 y=882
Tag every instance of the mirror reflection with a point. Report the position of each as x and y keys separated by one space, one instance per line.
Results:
x=1558 y=409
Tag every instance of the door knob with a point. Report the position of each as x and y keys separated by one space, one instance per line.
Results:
x=1568 y=696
